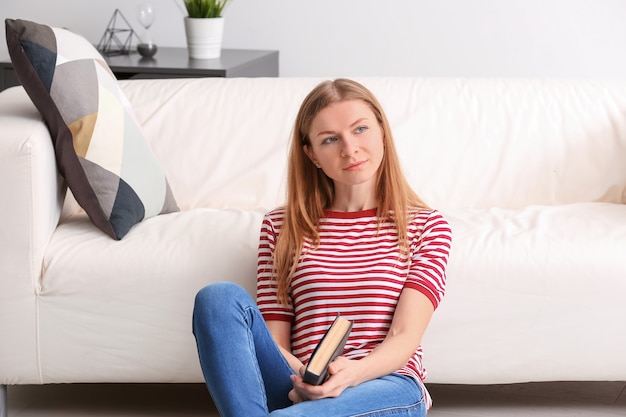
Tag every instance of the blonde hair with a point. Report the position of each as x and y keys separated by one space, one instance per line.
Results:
x=310 y=191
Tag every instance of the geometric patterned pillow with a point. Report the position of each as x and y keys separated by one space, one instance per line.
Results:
x=100 y=148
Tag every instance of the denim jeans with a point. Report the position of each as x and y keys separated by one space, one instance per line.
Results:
x=248 y=376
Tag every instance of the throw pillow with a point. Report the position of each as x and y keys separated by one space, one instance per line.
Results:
x=100 y=148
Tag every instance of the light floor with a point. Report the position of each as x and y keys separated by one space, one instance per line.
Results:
x=571 y=399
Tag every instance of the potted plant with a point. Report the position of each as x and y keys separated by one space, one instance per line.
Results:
x=204 y=28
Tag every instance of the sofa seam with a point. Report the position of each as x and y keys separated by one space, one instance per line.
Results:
x=35 y=281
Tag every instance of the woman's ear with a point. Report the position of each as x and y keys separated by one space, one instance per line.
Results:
x=311 y=155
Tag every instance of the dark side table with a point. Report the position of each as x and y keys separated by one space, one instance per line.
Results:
x=175 y=63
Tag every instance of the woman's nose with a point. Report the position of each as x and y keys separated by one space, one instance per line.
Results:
x=350 y=146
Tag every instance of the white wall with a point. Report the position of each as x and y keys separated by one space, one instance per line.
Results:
x=547 y=38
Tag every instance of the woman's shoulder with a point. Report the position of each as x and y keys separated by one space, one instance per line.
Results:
x=424 y=216
x=272 y=221
x=275 y=216
x=424 y=212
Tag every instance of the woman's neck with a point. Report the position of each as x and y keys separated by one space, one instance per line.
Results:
x=353 y=198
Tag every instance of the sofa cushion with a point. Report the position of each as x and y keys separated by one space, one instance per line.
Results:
x=536 y=290
x=100 y=148
x=143 y=299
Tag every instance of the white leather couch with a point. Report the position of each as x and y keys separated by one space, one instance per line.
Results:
x=531 y=174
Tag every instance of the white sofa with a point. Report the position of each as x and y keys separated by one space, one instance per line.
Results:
x=530 y=173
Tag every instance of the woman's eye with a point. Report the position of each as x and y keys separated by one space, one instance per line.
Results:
x=329 y=139
x=361 y=129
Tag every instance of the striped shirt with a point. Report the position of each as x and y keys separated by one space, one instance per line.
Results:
x=358 y=271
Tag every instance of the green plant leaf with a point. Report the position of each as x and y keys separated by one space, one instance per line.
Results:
x=205 y=8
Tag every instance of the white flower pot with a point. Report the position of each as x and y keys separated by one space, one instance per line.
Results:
x=204 y=37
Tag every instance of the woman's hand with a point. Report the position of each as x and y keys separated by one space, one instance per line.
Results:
x=293 y=395
x=342 y=374
x=410 y=320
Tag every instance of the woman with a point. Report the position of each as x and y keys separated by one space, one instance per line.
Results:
x=353 y=239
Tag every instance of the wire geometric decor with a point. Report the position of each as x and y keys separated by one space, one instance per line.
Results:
x=117 y=40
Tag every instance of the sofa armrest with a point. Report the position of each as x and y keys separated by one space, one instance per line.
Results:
x=32 y=196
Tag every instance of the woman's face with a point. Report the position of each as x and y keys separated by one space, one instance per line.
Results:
x=347 y=143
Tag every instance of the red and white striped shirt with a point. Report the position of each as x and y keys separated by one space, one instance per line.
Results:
x=358 y=271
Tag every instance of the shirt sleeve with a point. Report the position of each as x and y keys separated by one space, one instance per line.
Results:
x=267 y=296
x=430 y=250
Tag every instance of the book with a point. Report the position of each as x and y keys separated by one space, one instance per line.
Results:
x=331 y=346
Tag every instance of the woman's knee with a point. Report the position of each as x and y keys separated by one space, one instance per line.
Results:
x=217 y=291
x=215 y=299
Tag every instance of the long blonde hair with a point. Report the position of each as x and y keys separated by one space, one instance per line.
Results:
x=310 y=191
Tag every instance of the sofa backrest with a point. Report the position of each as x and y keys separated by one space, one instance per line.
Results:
x=464 y=143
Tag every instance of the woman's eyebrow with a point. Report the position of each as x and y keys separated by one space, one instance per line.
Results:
x=331 y=132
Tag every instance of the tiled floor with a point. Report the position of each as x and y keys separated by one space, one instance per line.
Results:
x=571 y=399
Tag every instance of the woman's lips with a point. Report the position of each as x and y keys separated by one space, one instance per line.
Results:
x=355 y=166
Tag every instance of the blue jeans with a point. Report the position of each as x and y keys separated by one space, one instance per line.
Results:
x=247 y=375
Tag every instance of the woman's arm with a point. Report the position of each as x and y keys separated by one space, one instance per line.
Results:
x=410 y=320
x=281 y=332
